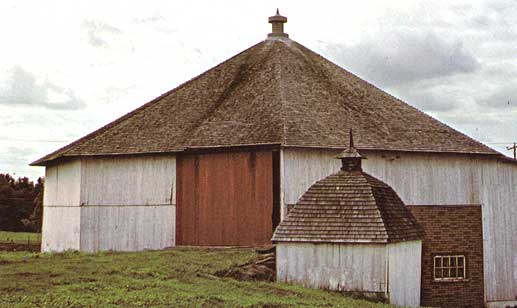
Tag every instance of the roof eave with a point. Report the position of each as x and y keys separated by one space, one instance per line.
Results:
x=337 y=147
x=330 y=241
x=45 y=162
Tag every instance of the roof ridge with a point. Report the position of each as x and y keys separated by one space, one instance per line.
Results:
x=283 y=102
x=380 y=185
x=366 y=179
x=243 y=69
x=330 y=79
x=63 y=150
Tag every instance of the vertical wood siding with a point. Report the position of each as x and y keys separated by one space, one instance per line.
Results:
x=63 y=184
x=122 y=203
x=61 y=228
x=333 y=266
x=435 y=179
x=127 y=228
x=138 y=180
x=499 y=211
x=302 y=168
x=404 y=272
x=225 y=199
x=61 y=212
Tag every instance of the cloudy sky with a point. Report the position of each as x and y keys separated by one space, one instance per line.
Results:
x=69 y=67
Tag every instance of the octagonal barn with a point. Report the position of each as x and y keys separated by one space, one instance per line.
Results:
x=219 y=159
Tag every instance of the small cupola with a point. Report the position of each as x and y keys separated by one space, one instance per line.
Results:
x=350 y=158
x=349 y=206
x=277 y=22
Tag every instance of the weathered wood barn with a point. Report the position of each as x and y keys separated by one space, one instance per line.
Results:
x=220 y=159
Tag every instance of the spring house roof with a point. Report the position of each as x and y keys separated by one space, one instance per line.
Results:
x=349 y=206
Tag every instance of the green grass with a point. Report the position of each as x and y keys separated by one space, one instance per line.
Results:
x=179 y=277
x=19 y=237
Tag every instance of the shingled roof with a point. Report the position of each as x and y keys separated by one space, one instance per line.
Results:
x=349 y=206
x=276 y=93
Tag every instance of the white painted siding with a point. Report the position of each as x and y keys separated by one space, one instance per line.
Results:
x=127 y=228
x=499 y=199
x=435 y=179
x=63 y=184
x=333 y=266
x=121 y=203
x=406 y=173
x=61 y=228
x=303 y=168
x=404 y=271
x=137 y=180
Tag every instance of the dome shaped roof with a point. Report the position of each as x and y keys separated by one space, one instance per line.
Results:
x=349 y=206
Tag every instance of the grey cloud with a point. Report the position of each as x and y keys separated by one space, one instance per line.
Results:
x=98 y=32
x=502 y=98
x=22 y=88
x=397 y=58
x=15 y=160
x=429 y=100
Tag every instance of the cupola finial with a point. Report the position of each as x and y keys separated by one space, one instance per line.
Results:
x=350 y=158
x=277 y=22
x=351 y=143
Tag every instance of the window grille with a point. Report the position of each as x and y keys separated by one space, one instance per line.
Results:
x=451 y=267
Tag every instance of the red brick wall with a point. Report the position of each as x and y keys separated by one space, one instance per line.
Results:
x=452 y=230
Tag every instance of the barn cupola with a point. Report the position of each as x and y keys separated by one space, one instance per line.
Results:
x=350 y=158
x=277 y=22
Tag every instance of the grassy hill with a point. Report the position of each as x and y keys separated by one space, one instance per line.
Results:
x=179 y=277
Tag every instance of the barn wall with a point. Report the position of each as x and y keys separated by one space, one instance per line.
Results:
x=404 y=271
x=333 y=266
x=63 y=184
x=139 y=180
x=434 y=179
x=301 y=168
x=61 y=214
x=61 y=228
x=128 y=203
x=110 y=203
x=406 y=173
x=127 y=228
x=499 y=200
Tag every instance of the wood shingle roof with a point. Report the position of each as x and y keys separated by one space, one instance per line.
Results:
x=349 y=207
x=277 y=93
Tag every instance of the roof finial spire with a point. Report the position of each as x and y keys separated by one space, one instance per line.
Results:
x=350 y=158
x=277 y=21
x=351 y=144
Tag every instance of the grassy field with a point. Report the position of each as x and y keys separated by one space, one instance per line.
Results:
x=180 y=277
x=19 y=237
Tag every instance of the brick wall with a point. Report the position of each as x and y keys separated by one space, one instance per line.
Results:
x=452 y=230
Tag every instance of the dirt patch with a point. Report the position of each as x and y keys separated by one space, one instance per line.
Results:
x=19 y=247
x=270 y=305
x=262 y=268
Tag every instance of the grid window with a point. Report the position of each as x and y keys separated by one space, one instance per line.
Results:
x=449 y=267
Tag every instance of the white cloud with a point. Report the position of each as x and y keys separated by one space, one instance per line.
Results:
x=102 y=59
x=23 y=88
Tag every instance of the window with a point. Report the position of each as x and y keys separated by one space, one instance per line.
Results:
x=447 y=268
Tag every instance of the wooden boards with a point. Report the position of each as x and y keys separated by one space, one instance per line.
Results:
x=224 y=199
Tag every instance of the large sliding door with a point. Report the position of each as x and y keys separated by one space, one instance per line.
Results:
x=225 y=199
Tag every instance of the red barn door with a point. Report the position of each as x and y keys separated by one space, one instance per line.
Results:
x=224 y=199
